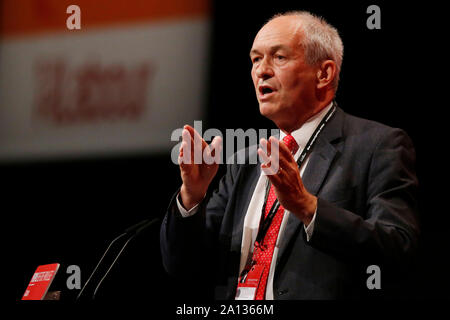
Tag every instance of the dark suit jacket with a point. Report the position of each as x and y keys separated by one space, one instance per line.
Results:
x=363 y=175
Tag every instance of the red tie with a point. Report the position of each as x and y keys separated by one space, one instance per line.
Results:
x=262 y=254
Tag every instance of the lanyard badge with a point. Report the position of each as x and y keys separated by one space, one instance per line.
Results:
x=248 y=282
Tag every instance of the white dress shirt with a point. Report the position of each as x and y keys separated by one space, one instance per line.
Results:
x=253 y=215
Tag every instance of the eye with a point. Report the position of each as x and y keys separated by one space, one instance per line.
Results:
x=280 y=57
x=256 y=59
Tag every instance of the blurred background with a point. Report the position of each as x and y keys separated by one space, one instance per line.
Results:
x=86 y=118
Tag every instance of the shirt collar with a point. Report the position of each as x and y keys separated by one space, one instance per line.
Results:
x=303 y=134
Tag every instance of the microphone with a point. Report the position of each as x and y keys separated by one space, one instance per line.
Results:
x=141 y=228
x=135 y=227
x=134 y=230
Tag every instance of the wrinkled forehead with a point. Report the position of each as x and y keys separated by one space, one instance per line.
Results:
x=279 y=31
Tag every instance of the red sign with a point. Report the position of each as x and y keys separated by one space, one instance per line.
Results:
x=40 y=282
x=90 y=92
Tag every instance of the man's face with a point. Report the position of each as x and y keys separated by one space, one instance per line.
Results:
x=284 y=83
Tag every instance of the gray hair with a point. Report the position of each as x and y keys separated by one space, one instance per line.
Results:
x=321 y=42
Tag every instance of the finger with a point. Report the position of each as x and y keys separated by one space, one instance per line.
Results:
x=199 y=144
x=180 y=154
x=207 y=155
x=266 y=166
x=274 y=146
x=263 y=157
x=216 y=148
x=268 y=147
x=274 y=154
x=274 y=140
x=187 y=138
x=184 y=161
x=187 y=147
x=196 y=136
x=263 y=145
x=193 y=150
x=216 y=144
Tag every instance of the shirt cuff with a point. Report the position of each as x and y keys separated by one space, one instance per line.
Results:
x=185 y=213
x=310 y=228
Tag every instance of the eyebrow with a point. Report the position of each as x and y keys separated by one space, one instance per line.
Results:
x=272 y=49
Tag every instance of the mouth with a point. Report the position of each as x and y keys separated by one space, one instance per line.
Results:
x=265 y=92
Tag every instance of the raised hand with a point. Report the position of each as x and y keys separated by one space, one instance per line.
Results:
x=199 y=163
x=287 y=182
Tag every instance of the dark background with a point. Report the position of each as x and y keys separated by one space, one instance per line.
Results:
x=68 y=211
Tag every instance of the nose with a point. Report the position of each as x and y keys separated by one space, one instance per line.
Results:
x=264 y=69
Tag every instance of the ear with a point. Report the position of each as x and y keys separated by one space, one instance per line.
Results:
x=326 y=73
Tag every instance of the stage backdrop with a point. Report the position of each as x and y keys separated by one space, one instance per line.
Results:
x=133 y=73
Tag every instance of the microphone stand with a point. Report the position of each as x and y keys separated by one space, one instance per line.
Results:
x=134 y=231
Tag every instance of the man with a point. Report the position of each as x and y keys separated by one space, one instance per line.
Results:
x=343 y=198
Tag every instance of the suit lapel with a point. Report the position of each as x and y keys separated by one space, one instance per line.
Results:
x=248 y=184
x=318 y=166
